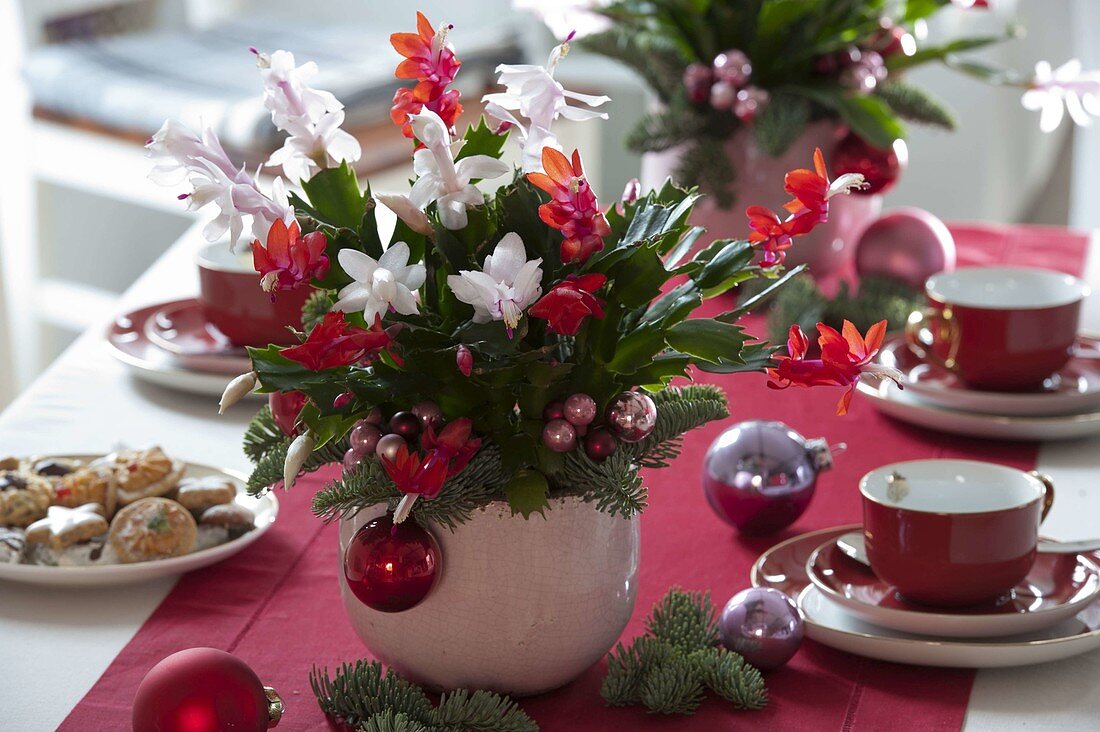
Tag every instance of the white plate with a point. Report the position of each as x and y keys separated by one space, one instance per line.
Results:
x=833 y=626
x=907 y=407
x=1073 y=390
x=265 y=508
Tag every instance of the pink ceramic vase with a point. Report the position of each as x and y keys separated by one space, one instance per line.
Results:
x=759 y=180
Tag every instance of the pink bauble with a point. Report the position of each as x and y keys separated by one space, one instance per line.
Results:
x=429 y=413
x=907 y=244
x=388 y=446
x=579 y=410
x=364 y=437
x=352 y=460
x=559 y=435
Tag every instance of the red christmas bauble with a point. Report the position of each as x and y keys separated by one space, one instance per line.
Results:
x=285 y=408
x=390 y=567
x=880 y=168
x=203 y=690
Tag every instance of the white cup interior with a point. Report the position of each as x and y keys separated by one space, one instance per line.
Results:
x=218 y=256
x=950 y=486
x=1005 y=287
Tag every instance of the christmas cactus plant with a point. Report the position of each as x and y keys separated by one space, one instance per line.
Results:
x=512 y=346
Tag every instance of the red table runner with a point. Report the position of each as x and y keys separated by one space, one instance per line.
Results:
x=277 y=604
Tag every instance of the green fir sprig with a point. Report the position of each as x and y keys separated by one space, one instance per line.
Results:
x=372 y=699
x=670 y=668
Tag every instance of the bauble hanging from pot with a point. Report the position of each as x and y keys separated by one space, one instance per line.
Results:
x=908 y=245
x=759 y=476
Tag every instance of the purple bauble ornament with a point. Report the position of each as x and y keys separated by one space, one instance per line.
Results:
x=405 y=424
x=908 y=244
x=865 y=74
x=759 y=476
x=722 y=95
x=697 y=80
x=579 y=410
x=631 y=416
x=352 y=460
x=763 y=625
x=364 y=437
x=553 y=410
x=732 y=67
x=374 y=417
x=559 y=435
x=749 y=103
x=430 y=415
x=388 y=446
x=600 y=444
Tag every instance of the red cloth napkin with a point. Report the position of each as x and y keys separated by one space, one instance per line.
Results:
x=277 y=604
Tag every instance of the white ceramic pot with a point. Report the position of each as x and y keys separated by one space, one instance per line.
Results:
x=759 y=180
x=522 y=606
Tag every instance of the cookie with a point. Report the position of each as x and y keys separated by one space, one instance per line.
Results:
x=10 y=463
x=55 y=467
x=24 y=497
x=64 y=527
x=234 y=517
x=93 y=484
x=152 y=528
x=143 y=473
x=199 y=494
x=12 y=543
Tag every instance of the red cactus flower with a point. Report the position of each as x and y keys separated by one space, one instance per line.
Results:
x=453 y=444
x=289 y=260
x=844 y=359
x=812 y=190
x=569 y=302
x=573 y=209
x=334 y=343
x=430 y=60
x=411 y=474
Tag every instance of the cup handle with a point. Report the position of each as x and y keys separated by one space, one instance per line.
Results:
x=1048 y=492
x=927 y=326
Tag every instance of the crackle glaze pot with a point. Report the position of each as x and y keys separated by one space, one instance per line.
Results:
x=759 y=180
x=522 y=606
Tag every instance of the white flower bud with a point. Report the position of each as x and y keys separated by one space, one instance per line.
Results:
x=236 y=390
x=407 y=211
x=404 y=508
x=296 y=457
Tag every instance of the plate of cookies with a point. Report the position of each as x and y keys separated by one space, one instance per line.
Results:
x=131 y=515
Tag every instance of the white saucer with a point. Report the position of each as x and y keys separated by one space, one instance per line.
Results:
x=911 y=408
x=1075 y=389
x=264 y=507
x=833 y=626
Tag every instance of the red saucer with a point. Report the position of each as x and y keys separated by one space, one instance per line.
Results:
x=1058 y=587
x=181 y=329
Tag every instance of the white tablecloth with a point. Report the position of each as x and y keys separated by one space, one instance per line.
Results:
x=54 y=644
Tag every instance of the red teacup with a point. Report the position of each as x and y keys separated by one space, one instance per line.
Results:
x=1000 y=328
x=231 y=299
x=952 y=532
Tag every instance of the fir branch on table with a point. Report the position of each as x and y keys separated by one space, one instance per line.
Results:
x=365 y=696
x=680 y=409
x=669 y=669
x=914 y=103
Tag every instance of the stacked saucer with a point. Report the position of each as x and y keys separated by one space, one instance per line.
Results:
x=173 y=345
x=1065 y=406
x=1051 y=615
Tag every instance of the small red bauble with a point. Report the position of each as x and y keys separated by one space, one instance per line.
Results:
x=405 y=424
x=600 y=444
x=553 y=410
x=880 y=168
x=390 y=567
x=430 y=415
x=285 y=408
x=204 y=690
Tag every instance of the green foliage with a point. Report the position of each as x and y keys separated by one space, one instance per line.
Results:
x=266 y=446
x=371 y=699
x=781 y=122
x=481 y=140
x=679 y=410
x=669 y=669
x=913 y=103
